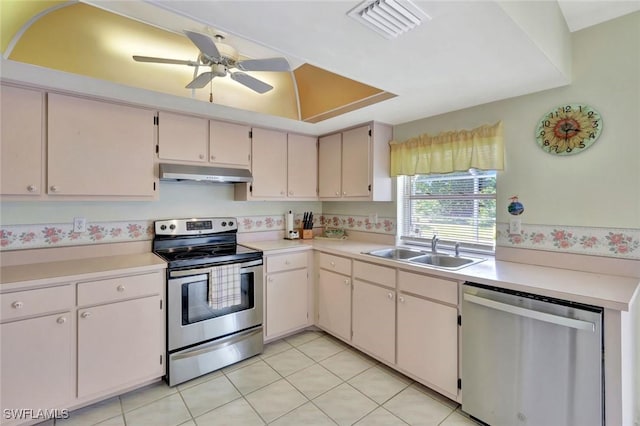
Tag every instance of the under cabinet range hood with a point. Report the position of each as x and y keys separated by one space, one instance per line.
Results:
x=182 y=172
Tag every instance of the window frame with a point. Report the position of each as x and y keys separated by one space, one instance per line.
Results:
x=404 y=201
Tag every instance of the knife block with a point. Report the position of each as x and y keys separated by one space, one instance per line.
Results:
x=305 y=234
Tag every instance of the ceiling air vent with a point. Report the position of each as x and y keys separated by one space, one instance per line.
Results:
x=389 y=18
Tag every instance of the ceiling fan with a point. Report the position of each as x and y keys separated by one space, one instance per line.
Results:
x=221 y=58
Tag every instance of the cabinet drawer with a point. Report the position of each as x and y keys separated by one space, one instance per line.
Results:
x=338 y=264
x=434 y=288
x=120 y=288
x=35 y=302
x=285 y=262
x=375 y=273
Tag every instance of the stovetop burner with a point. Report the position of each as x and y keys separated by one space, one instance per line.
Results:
x=184 y=245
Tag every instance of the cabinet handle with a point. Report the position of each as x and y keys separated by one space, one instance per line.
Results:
x=213 y=157
x=338 y=193
x=120 y=288
x=390 y=296
x=332 y=263
x=401 y=299
x=17 y=305
x=346 y=281
x=270 y=279
x=344 y=193
x=290 y=192
x=201 y=156
x=61 y=320
x=282 y=192
x=31 y=188
x=85 y=314
x=54 y=188
x=286 y=262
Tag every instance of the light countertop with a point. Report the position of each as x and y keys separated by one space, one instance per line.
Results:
x=50 y=273
x=608 y=291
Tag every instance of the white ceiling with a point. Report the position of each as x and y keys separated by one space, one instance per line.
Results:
x=469 y=53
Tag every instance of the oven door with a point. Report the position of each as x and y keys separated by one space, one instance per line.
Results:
x=190 y=318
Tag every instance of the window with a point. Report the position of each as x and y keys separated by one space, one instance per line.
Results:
x=457 y=207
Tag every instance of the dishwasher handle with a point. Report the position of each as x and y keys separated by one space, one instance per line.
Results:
x=524 y=312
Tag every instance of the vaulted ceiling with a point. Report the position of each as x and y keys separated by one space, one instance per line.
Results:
x=468 y=53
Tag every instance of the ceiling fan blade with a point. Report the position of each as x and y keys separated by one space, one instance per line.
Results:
x=164 y=60
x=251 y=82
x=269 y=64
x=204 y=43
x=200 y=81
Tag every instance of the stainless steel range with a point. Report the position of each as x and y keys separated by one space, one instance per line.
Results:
x=214 y=296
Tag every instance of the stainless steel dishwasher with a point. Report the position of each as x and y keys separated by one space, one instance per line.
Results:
x=530 y=360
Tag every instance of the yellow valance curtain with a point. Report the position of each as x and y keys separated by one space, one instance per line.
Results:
x=480 y=148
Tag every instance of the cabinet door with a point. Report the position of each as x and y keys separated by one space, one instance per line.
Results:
x=99 y=148
x=356 y=160
x=36 y=362
x=286 y=301
x=182 y=137
x=334 y=303
x=428 y=342
x=330 y=166
x=21 y=141
x=229 y=144
x=302 y=166
x=119 y=344
x=269 y=168
x=374 y=320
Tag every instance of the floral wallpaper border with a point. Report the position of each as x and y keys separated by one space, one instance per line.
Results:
x=610 y=242
x=18 y=237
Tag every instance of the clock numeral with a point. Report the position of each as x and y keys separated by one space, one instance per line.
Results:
x=569 y=149
x=567 y=108
x=592 y=135
x=547 y=123
x=582 y=145
x=590 y=114
x=542 y=133
x=595 y=124
x=546 y=142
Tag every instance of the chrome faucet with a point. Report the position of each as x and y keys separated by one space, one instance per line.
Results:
x=434 y=244
x=457 y=249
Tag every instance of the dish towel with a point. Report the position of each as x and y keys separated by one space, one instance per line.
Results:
x=224 y=286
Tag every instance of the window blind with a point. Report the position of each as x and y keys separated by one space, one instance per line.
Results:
x=457 y=207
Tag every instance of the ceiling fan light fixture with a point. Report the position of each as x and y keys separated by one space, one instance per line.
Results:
x=389 y=18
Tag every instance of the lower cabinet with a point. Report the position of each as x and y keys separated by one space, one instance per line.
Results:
x=286 y=293
x=334 y=303
x=36 y=364
x=374 y=319
x=118 y=344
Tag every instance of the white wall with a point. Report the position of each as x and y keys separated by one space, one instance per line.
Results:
x=599 y=187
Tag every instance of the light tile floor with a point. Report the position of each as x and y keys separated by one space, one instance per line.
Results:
x=306 y=379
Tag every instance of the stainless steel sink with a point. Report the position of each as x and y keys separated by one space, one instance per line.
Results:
x=445 y=261
x=397 y=253
x=420 y=257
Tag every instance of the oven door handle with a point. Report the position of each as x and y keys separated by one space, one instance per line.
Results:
x=220 y=343
x=244 y=268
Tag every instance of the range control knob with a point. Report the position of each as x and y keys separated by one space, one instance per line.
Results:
x=224 y=224
x=163 y=227
x=172 y=227
x=231 y=223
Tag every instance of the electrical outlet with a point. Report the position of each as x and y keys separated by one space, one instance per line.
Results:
x=373 y=218
x=515 y=226
x=79 y=224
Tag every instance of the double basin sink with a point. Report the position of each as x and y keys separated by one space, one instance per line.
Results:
x=419 y=257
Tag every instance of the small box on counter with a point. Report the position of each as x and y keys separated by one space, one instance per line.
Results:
x=305 y=234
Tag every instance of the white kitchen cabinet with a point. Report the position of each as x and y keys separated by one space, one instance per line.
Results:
x=302 y=167
x=269 y=156
x=427 y=332
x=182 y=137
x=37 y=367
x=287 y=293
x=120 y=340
x=374 y=319
x=334 y=295
x=21 y=141
x=229 y=144
x=354 y=164
x=99 y=149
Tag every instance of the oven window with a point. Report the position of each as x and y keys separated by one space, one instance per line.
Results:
x=195 y=305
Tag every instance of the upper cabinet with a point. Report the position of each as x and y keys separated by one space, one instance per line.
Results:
x=182 y=137
x=99 y=149
x=354 y=164
x=195 y=139
x=229 y=144
x=284 y=167
x=21 y=141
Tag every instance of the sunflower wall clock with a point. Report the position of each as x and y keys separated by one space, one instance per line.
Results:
x=568 y=129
